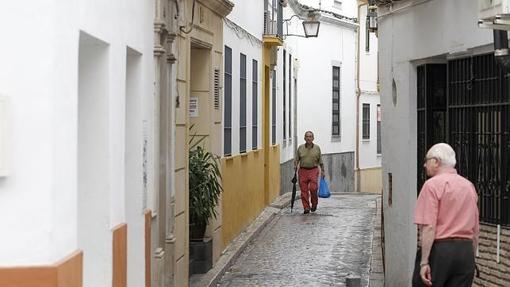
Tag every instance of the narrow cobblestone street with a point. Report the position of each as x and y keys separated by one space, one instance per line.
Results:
x=317 y=249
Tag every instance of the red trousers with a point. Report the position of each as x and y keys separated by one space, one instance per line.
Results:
x=308 y=184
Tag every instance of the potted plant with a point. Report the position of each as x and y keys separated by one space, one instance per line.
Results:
x=204 y=188
x=204 y=194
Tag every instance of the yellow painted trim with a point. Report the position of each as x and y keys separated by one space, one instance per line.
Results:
x=370 y=180
x=148 y=239
x=271 y=40
x=274 y=173
x=119 y=255
x=67 y=272
x=265 y=116
x=265 y=124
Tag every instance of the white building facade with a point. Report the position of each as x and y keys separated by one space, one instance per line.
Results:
x=369 y=108
x=242 y=37
x=323 y=92
x=435 y=71
x=77 y=130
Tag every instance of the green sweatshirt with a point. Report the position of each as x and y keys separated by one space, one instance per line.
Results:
x=308 y=157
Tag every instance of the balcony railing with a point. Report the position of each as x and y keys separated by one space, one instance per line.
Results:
x=273 y=18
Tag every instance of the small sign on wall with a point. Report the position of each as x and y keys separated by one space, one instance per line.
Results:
x=3 y=135
x=193 y=107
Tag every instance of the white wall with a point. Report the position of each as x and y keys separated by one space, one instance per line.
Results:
x=239 y=43
x=93 y=174
x=424 y=31
x=349 y=7
x=368 y=60
x=133 y=163
x=368 y=157
x=26 y=207
x=315 y=57
x=286 y=145
x=249 y=15
x=38 y=200
x=334 y=46
x=369 y=94
x=291 y=45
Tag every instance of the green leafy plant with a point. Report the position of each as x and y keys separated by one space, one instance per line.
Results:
x=204 y=187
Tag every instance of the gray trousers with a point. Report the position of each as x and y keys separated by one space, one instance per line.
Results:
x=452 y=264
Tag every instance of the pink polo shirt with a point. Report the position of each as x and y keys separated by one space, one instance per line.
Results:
x=448 y=201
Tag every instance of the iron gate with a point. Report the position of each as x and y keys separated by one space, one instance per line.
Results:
x=475 y=121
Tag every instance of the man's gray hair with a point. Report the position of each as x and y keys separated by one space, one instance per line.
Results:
x=444 y=153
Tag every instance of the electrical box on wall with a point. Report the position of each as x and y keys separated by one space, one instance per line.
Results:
x=3 y=135
x=488 y=9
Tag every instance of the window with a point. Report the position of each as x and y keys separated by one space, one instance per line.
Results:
x=227 y=121
x=254 y=106
x=284 y=95
x=337 y=4
x=379 y=147
x=242 y=104
x=273 y=110
x=336 y=102
x=367 y=35
x=290 y=96
x=366 y=122
x=216 y=89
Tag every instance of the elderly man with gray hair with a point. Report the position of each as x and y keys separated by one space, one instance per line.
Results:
x=447 y=217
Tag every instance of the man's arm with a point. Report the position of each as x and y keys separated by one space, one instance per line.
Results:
x=321 y=164
x=427 y=235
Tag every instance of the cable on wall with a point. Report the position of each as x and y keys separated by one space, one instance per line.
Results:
x=242 y=33
x=183 y=28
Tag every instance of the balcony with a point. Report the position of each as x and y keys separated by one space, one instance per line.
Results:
x=273 y=19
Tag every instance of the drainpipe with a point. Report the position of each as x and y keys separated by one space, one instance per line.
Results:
x=358 y=94
x=501 y=51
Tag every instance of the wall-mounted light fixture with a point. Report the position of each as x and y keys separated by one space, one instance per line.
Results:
x=372 y=18
x=310 y=26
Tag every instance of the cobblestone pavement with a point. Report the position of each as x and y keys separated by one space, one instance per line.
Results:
x=316 y=249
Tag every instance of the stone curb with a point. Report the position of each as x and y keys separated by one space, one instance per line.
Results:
x=376 y=274
x=237 y=246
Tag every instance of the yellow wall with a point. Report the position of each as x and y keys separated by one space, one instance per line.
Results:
x=371 y=180
x=243 y=189
x=248 y=184
x=243 y=192
x=274 y=172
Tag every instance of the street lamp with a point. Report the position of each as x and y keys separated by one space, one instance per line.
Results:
x=311 y=28
x=372 y=18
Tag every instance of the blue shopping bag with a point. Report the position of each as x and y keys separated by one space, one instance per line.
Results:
x=324 y=189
